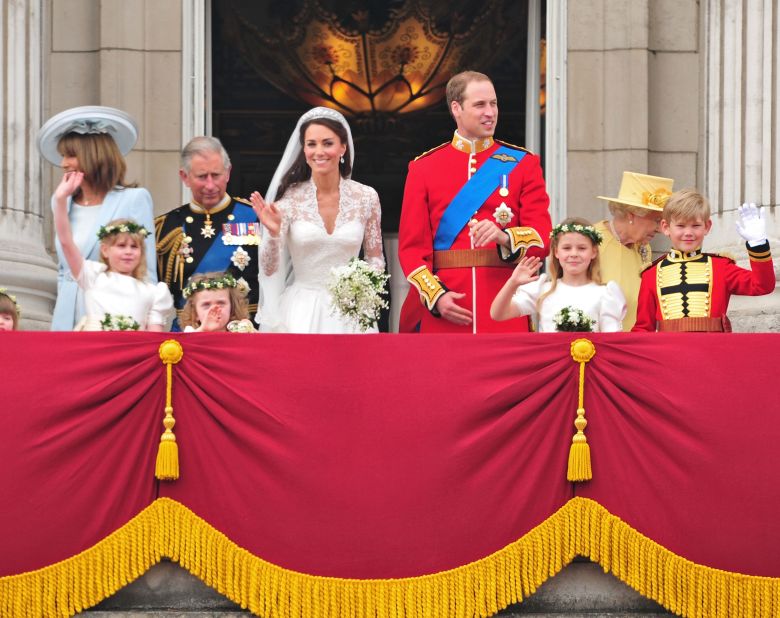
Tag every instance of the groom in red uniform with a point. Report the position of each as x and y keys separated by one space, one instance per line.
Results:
x=471 y=208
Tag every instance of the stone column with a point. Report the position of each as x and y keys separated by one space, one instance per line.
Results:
x=741 y=154
x=26 y=269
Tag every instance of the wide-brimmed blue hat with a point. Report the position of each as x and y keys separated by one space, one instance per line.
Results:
x=87 y=119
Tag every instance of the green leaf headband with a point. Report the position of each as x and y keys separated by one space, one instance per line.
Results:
x=586 y=230
x=212 y=283
x=123 y=228
x=4 y=292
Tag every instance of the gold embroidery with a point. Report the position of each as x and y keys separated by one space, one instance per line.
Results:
x=669 y=275
x=697 y=272
x=427 y=285
x=522 y=239
x=698 y=304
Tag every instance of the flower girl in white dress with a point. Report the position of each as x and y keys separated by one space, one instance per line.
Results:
x=317 y=216
x=117 y=295
x=573 y=284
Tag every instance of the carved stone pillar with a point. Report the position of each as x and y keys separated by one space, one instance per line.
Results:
x=741 y=153
x=26 y=269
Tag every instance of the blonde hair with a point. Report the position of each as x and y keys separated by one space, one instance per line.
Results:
x=555 y=270
x=239 y=306
x=99 y=158
x=109 y=241
x=687 y=205
x=9 y=307
x=456 y=87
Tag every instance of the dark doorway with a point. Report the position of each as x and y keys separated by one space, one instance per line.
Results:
x=254 y=119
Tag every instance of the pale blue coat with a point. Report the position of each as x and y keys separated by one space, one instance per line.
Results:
x=135 y=204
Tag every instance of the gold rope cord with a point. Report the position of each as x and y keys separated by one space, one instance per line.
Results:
x=167 y=466
x=579 y=468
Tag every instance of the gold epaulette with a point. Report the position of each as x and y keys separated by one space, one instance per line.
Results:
x=653 y=263
x=432 y=150
x=427 y=284
x=243 y=201
x=515 y=146
x=521 y=239
x=723 y=254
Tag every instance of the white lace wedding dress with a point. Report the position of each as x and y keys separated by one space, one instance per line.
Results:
x=304 y=305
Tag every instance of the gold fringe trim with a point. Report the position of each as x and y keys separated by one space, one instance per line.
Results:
x=481 y=588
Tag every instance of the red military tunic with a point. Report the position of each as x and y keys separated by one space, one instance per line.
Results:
x=434 y=179
x=680 y=291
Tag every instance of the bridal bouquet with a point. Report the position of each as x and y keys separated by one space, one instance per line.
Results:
x=356 y=291
x=570 y=319
x=118 y=322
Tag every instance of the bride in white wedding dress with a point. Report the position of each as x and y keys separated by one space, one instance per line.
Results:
x=315 y=218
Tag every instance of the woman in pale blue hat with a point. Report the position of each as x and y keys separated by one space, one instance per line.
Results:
x=94 y=140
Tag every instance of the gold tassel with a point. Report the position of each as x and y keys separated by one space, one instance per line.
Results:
x=582 y=350
x=167 y=467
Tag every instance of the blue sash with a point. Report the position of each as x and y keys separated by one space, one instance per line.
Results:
x=473 y=194
x=217 y=258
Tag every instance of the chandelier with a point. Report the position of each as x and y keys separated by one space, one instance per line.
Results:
x=368 y=59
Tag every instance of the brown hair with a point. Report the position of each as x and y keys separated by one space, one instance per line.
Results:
x=239 y=306
x=9 y=307
x=99 y=158
x=555 y=268
x=687 y=205
x=112 y=239
x=456 y=87
x=299 y=171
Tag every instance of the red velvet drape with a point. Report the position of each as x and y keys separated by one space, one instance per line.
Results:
x=390 y=455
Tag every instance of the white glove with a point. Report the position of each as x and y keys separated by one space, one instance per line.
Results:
x=751 y=224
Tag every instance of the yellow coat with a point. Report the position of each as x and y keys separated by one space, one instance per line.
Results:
x=624 y=265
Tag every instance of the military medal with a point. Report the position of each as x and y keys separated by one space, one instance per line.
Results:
x=502 y=215
x=241 y=233
x=504 y=190
x=240 y=258
x=207 y=231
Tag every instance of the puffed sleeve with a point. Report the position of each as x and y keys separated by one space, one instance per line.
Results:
x=141 y=210
x=613 y=309
x=524 y=299
x=162 y=305
x=90 y=270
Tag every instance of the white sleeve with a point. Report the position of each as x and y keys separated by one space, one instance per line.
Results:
x=613 y=309
x=162 y=305
x=90 y=270
x=372 y=237
x=525 y=297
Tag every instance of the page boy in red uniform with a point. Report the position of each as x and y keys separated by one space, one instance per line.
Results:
x=687 y=290
x=471 y=208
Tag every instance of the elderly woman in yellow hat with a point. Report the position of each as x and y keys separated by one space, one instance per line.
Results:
x=625 y=249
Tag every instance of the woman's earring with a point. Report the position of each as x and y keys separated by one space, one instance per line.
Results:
x=342 y=159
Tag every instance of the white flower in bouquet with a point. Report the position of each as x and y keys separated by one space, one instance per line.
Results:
x=571 y=319
x=357 y=292
x=118 y=322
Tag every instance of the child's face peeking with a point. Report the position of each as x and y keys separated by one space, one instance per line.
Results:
x=575 y=252
x=6 y=321
x=686 y=235
x=213 y=308
x=123 y=256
